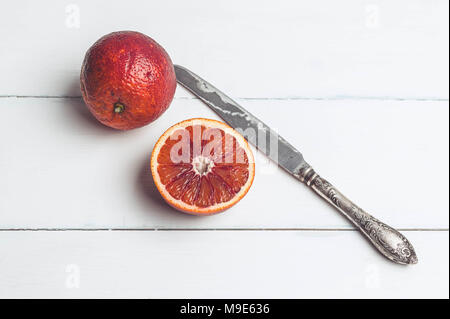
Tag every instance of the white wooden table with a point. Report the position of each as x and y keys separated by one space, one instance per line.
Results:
x=361 y=87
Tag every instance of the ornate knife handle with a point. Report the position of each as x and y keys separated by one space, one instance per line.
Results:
x=386 y=239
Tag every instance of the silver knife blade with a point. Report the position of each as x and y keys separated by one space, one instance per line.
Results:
x=253 y=129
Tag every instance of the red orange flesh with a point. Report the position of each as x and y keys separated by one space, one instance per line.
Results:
x=202 y=166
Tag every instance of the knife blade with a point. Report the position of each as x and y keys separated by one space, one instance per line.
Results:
x=386 y=239
x=254 y=130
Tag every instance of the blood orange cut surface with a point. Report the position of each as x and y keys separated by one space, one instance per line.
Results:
x=202 y=166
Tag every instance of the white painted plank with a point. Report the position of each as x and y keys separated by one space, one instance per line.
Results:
x=61 y=168
x=208 y=264
x=250 y=48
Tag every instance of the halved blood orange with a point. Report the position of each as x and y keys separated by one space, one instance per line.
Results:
x=202 y=166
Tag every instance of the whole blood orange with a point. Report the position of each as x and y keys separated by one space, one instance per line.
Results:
x=202 y=166
x=127 y=80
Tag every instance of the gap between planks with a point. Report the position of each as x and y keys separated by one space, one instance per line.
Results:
x=213 y=229
x=288 y=98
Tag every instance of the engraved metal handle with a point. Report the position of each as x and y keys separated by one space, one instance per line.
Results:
x=386 y=239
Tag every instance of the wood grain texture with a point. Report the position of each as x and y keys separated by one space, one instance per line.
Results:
x=61 y=168
x=212 y=264
x=325 y=48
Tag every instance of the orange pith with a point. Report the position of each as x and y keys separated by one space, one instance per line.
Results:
x=202 y=166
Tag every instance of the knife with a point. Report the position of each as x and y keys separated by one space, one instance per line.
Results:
x=391 y=243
